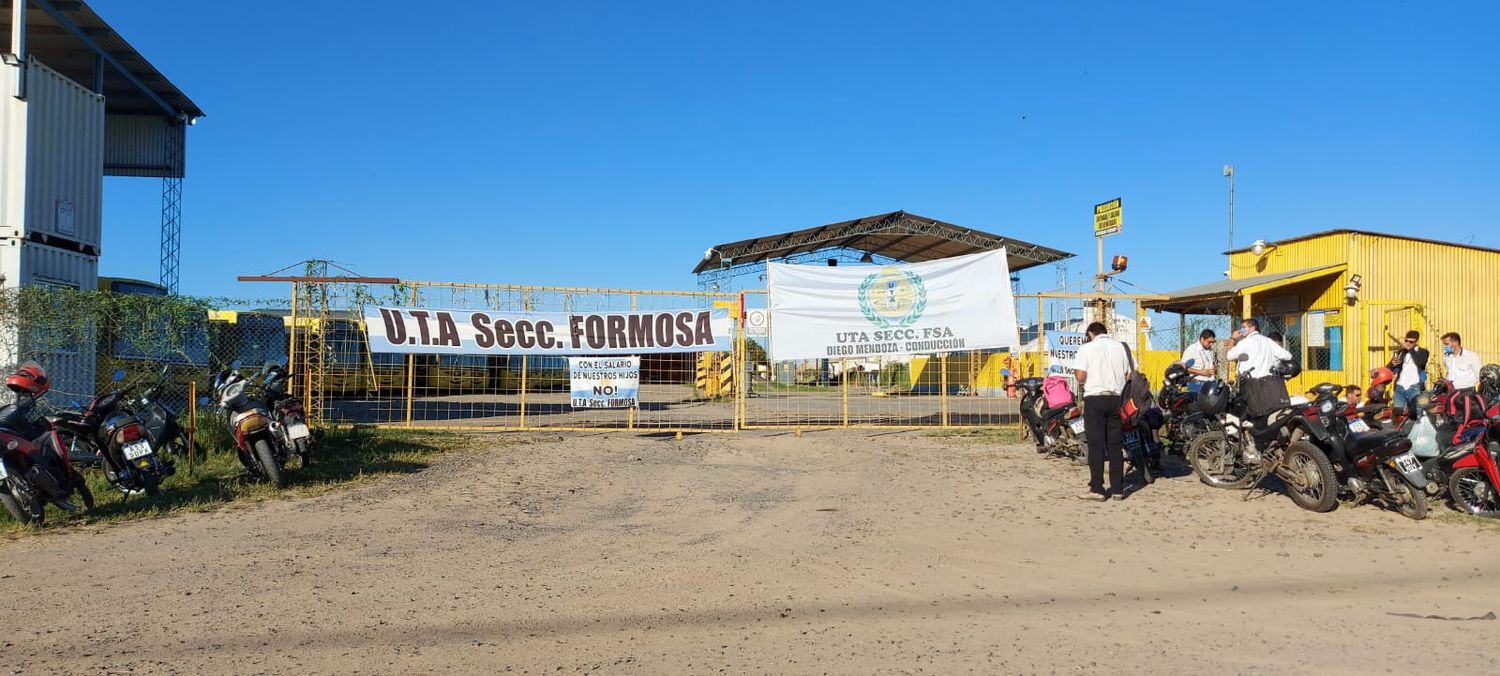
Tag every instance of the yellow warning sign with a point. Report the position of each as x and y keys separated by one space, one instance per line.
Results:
x=1108 y=218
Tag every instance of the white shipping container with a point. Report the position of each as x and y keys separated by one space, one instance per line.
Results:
x=12 y=156
x=25 y=263
x=65 y=157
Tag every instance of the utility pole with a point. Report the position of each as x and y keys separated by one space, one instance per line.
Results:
x=1229 y=174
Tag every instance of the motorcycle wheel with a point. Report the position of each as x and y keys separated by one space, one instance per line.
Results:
x=21 y=515
x=1217 y=461
x=151 y=485
x=1473 y=493
x=1410 y=502
x=268 y=465
x=1309 y=477
x=83 y=490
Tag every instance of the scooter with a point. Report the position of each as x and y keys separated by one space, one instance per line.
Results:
x=257 y=443
x=1056 y=430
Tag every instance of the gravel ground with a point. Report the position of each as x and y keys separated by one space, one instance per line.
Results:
x=836 y=552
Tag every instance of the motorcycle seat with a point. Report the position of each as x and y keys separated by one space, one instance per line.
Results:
x=75 y=424
x=1387 y=444
x=1054 y=412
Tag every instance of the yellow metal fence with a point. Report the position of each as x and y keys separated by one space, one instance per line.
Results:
x=702 y=392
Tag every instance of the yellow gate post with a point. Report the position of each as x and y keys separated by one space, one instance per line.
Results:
x=943 y=364
x=844 y=380
x=411 y=370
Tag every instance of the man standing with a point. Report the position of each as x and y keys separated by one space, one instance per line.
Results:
x=1462 y=365
x=1199 y=360
x=1410 y=366
x=1102 y=366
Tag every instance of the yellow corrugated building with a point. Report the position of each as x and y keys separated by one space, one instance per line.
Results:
x=1344 y=297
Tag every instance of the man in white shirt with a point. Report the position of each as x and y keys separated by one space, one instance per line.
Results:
x=1462 y=365
x=1198 y=358
x=1260 y=354
x=1102 y=365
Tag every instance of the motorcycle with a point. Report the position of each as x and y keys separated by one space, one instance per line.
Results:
x=159 y=421
x=34 y=467
x=287 y=411
x=257 y=442
x=1056 y=430
x=104 y=431
x=1471 y=471
x=1183 y=421
x=1241 y=453
x=1370 y=464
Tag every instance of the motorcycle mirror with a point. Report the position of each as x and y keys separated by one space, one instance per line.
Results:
x=282 y=361
x=1243 y=357
x=117 y=375
x=235 y=365
x=205 y=401
x=165 y=369
x=77 y=403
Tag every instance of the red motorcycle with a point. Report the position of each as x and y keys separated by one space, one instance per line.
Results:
x=1474 y=479
x=34 y=467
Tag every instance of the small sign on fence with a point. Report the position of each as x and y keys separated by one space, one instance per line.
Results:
x=605 y=382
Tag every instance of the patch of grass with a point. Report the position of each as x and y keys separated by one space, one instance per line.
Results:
x=1460 y=518
x=342 y=458
x=992 y=435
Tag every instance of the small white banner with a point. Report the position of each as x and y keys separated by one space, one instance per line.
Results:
x=949 y=305
x=424 y=331
x=605 y=382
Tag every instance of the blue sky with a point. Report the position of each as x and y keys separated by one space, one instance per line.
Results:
x=608 y=144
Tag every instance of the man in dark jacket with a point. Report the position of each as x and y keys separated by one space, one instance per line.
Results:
x=1409 y=363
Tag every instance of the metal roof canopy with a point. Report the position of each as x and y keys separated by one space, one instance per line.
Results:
x=897 y=235
x=1218 y=297
x=71 y=38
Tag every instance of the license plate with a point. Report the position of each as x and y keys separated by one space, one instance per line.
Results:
x=1406 y=462
x=137 y=449
x=297 y=431
x=1077 y=426
x=1358 y=425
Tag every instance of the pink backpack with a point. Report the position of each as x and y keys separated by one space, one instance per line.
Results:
x=1056 y=391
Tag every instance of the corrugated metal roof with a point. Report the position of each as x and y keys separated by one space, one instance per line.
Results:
x=898 y=235
x=1369 y=233
x=1195 y=298
x=58 y=47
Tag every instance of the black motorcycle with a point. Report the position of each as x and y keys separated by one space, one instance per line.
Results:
x=1184 y=422
x=1243 y=452
x=103 y=431
x=159 y=419
x=1371 y=464
x=1056 y=430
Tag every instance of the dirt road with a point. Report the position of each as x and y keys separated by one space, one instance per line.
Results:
x=837 y=552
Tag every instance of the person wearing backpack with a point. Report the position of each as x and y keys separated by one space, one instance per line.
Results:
x=1102 y=367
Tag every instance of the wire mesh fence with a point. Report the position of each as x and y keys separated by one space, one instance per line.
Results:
x=92 y=342
x=347 y=383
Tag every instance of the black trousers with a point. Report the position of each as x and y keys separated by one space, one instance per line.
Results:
x=1101 y=422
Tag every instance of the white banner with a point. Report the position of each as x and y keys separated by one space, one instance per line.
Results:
x=948 y=305
x=608 y=382
x=424 y=331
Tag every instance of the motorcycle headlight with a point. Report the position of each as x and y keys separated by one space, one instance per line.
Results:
x=1326 y=408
